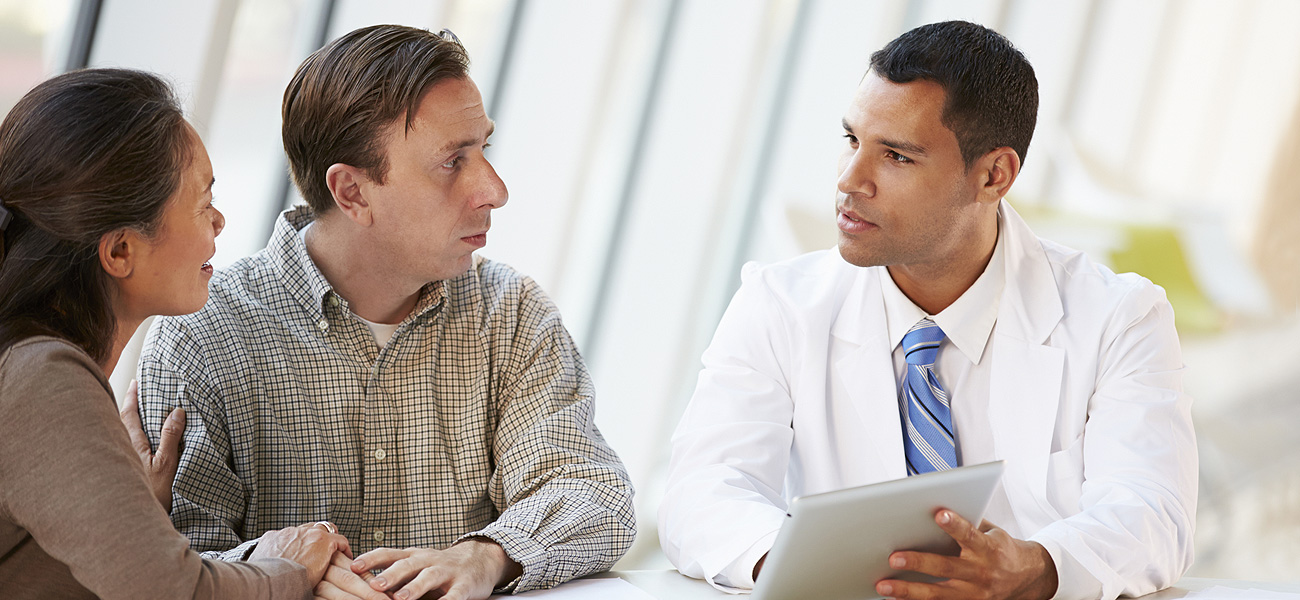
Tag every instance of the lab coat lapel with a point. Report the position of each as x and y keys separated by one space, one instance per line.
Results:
x=864 y=370
x=1025 y=384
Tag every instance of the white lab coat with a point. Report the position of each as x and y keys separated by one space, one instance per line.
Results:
x=798 y=396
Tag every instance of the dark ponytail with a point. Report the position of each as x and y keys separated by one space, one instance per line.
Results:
x=81 y=155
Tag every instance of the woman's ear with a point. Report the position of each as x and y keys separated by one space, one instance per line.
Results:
x=117 y=252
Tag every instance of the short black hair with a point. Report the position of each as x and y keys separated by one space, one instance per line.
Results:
x=991 y=92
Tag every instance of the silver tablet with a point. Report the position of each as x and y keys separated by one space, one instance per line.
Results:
x=836 y=545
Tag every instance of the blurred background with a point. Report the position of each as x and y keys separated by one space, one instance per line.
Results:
x=651 y=147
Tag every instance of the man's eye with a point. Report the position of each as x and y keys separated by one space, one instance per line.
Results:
x=853 y=140
x=896 y=157
x=451 y=164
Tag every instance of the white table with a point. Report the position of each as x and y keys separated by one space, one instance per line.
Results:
x=671 y=585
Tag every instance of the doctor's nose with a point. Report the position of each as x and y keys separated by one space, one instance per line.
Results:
x=855 y=176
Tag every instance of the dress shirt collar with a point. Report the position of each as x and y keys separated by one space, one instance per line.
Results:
x=968 y=321
x=288 y=255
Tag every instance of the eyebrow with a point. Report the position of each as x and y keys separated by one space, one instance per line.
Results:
x=907 y=147
x=465 y=143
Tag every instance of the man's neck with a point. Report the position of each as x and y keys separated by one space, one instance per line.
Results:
x=350 y=267
x=935 y=286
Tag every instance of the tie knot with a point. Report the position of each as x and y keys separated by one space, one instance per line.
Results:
x=921 y=344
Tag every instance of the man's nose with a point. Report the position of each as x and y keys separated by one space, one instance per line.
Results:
x=856 y=176
x=489 y=190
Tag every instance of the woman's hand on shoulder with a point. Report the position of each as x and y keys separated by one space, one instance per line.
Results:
x=160 y=466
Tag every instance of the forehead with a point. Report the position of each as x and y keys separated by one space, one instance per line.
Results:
x=198 y=169
x=911 y=111
x=451 y=108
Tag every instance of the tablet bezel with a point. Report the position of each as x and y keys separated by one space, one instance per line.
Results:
x=837 y=544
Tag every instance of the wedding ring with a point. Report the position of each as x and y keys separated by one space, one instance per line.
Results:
x=328 y=526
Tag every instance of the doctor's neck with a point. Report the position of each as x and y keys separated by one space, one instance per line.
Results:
x=935 y=285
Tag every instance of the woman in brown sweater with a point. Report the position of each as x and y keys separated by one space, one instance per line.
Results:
x=106 y=218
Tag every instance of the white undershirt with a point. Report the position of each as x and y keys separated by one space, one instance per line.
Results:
x=383 y=332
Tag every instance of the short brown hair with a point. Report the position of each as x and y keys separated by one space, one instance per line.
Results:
x=345 y=94
x=82 y=155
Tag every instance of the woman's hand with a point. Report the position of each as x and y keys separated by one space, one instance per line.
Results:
x=160 y=466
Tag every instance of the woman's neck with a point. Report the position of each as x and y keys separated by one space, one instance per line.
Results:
x=126 y=327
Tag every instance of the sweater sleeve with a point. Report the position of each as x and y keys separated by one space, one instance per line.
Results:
x=72 y=480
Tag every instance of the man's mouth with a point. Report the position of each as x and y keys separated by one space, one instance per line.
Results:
x=849 y=222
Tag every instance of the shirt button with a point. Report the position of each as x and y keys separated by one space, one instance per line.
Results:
x=379 y=536
x=380 y=454
x=334 y=300
x=323 y=324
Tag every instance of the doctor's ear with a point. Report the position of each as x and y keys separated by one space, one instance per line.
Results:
x=997 y=170
x=118 y=250
x=347 y=184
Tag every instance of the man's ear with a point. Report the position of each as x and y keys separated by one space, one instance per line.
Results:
x=117 y=252
x=347 y=185
x=998 y=170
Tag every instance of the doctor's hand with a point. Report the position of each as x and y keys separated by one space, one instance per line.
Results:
x=160 y=466
x=992 y=565
x=468 y=570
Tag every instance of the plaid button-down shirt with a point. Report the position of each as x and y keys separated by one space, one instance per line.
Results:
x=476 y=419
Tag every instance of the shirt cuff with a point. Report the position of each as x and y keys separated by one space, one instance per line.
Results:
x=521 y=548
x=1073 y=580
x=237 y=554
x=739 y=574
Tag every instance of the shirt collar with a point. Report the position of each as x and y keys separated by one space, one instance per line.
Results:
x=288 y=256
x=968 y=322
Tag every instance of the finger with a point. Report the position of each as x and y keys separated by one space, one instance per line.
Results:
x=961 y=530
x=986 y=526
x=457 y=592
x=168 y=454
x=341 y=543
x=378 y=558
x=329 y=591
x=130 y=416
x=342 y=561
x=428 y=580
x=938 y=565
x=351 y=585
x=911 y=590
x=399 y=573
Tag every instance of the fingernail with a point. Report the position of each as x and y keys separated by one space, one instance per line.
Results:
x=885 y=589
x=379 y=581
x=897 y=562
x=944 y=517
x=358 y=564
x=402 y=595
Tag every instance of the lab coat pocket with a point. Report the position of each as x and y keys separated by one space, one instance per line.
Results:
x=1065 y=477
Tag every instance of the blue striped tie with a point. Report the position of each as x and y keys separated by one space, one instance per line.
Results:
x=927 y=417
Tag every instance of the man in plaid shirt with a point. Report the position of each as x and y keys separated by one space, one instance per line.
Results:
x=367 y=371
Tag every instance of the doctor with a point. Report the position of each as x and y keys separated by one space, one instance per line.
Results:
x=942 y=332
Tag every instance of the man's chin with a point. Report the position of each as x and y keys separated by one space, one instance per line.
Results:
x=857 y=256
